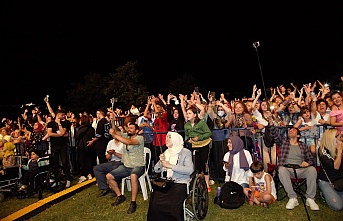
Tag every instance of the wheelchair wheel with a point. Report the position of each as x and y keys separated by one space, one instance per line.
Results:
x=56 y=179
x=200 y=198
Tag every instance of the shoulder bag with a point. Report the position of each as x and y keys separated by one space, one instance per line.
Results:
x=161 y=184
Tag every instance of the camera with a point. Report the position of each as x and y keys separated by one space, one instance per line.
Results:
x=196 y=89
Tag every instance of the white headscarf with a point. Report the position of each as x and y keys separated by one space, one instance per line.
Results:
x=172 y=153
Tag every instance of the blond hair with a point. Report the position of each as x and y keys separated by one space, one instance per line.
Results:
x=328 y=141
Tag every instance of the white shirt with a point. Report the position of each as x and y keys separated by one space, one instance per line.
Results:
x=111 y=145
x=238 y=175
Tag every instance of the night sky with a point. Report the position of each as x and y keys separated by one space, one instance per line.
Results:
x=47 y=46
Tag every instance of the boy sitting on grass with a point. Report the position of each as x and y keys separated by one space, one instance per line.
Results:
x=262 y=189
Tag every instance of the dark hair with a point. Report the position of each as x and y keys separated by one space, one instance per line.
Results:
x=298 y=133
x=195 y=111
x=304 y=109
x=63 y=111
x=136 y=125
x=256 y=166
x=335 y=92
x=36 y=151
x=320 y=100
x=85 y=120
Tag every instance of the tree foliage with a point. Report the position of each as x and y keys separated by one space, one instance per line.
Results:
x=88 y=94
x=125 y=85
x=183 y=85
x=95 y=90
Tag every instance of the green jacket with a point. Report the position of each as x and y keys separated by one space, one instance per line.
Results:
x=200 y=130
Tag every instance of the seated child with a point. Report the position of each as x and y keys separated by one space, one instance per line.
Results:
x=262 y=189
x=32 y=171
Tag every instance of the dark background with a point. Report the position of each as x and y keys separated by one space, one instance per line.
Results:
x=46 y=46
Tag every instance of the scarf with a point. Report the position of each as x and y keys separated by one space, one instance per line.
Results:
x=39 y=128
x=237 y=147
x=240 y=120
x=172 y=153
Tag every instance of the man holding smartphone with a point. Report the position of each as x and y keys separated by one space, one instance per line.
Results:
x=113 y=154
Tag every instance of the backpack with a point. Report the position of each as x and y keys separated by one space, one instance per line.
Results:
x=268 y=140
x=231 y=195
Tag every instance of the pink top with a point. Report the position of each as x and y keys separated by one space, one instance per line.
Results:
x=339 y=118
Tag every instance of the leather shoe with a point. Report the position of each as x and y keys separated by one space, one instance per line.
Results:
x=132 y=208
x=120 y=199
x=104 y=192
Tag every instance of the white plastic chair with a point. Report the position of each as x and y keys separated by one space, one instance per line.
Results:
x=141 y=179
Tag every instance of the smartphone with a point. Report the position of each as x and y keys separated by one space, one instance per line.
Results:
x=213 y=94
x=196 y=89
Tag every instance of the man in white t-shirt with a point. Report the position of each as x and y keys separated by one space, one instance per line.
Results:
x=113 y=154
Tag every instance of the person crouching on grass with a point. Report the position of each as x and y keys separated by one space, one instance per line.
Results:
x=262 y=189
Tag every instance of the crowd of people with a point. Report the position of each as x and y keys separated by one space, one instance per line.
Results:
x=110 y=146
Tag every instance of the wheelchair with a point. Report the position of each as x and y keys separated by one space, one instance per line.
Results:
x=195 y=205
x=10 y=178
x=50 y=177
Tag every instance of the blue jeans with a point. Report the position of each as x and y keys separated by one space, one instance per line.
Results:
x=333 y=198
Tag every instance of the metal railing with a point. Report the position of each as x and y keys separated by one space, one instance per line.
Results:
x=253 y=142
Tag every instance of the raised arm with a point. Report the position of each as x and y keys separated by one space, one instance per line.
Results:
x=49 y=108
x=183 y=105
x=259 y=92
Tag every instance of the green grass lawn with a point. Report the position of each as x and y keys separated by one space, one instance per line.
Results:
x=85 y=205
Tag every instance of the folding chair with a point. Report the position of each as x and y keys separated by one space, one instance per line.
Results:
x=297 y=184
x=141 y=179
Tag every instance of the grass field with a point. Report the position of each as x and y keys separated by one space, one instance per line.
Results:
x=85 y=205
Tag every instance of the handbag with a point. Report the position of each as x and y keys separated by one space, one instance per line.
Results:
x=161 y=184
x=337 y=184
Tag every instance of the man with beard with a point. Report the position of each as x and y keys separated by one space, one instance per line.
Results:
x=133 y=164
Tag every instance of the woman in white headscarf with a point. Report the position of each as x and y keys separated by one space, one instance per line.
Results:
x=176 y=163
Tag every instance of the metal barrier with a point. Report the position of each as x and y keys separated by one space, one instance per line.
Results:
x=218 y=147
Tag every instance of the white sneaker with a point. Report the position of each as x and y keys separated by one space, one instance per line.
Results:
x=292 y=202
x=68 y=184
x=313 y=205
x=89 y=177
x=82 y=179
